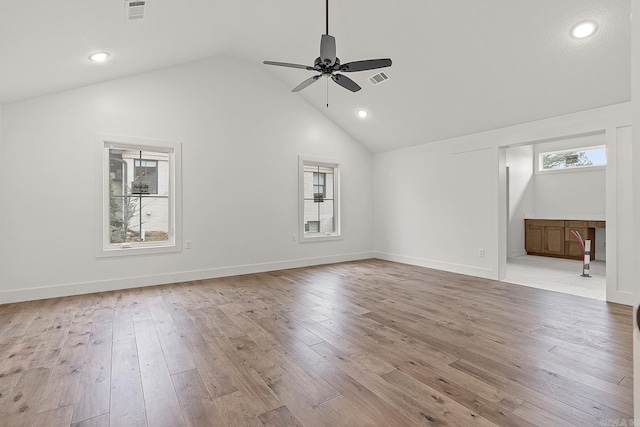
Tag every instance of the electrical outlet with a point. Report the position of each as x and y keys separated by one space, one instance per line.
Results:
x=481 y=253
x=187 y=244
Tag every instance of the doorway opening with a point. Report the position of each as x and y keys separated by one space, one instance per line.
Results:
x=552 y=188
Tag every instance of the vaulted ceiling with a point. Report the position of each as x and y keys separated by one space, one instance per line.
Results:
x=459 y=66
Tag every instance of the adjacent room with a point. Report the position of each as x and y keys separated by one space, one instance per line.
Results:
x=319 y=213
x=555 y=189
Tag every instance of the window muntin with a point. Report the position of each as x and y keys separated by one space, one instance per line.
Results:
x=138 y=197
x=571 y=159
x=319 y=202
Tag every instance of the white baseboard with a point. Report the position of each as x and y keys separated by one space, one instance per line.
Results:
x=517 y=252
x=618 y=297
x=44 y=292
x=486 y=273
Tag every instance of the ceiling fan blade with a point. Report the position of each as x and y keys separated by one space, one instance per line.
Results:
x=328 y=49
x=369 y=64
x=306 y=83
x=286 y=64
x=346 y=82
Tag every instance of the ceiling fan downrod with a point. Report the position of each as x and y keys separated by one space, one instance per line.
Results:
x=327 y=33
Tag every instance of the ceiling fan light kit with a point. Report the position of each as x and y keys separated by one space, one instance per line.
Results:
x=328 y=64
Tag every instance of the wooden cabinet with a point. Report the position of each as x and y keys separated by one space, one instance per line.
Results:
x=554 y=238
x=544 y=237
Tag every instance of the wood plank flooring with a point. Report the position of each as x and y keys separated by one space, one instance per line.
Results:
x=367 y=343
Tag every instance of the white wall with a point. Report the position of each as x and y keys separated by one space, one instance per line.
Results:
x=438 y=204
x=521 y=191
x=570 y=194
x=1 y=202
x=242 y=131
x=432 y=207
x=635 y=206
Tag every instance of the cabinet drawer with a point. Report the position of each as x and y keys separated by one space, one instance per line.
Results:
x=543 y=223
x=569 y=237
x=576 y=224
x=597 y=224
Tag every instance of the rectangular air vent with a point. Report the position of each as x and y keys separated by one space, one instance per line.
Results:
x=378 y=78
x=135 y=10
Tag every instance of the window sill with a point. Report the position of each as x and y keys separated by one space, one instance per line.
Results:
x=320 y=238
x=571 y=170
x=124 y=251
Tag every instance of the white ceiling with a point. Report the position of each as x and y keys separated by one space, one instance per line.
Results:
x=459 y=66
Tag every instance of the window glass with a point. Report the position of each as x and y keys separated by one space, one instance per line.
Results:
x=138 y=207
x=577 y=158
x=146 y=173
x=319 y=204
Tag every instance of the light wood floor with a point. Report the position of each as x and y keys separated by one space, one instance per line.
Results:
x=354 y=344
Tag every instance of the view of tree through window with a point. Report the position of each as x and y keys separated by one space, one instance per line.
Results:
x=593 y=156
x=138 y=196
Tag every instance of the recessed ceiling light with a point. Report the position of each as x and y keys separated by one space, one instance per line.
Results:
x=584 y=29
x=363 y=114
x=99 y=56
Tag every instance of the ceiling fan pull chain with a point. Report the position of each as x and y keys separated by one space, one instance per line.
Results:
x=327 y=91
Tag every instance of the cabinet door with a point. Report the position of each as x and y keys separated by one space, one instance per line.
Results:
x=533 y=239
x=554 y=240
x=574 y=249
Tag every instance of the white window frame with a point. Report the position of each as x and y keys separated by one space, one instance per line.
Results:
x=538 y=159
x=320 y=237
x=104 y=248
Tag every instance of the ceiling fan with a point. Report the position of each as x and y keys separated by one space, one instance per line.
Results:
x=328 y=65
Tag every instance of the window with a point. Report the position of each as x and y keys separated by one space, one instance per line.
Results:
x=571 y=159
x=319 y=202
x=138 y=196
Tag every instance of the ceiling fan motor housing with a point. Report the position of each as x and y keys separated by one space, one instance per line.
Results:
x=326 y=69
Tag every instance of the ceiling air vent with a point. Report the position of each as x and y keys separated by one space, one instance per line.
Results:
x=135 y=10
x=378 y=78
